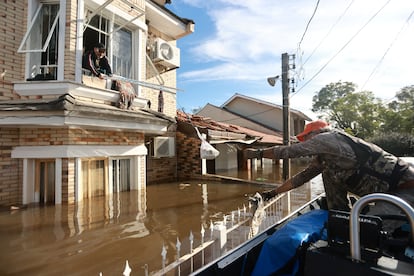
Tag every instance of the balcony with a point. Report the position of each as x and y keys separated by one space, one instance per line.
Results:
x=92 y=89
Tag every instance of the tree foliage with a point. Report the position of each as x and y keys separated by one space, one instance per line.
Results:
x=399 y=116
x=358 y=113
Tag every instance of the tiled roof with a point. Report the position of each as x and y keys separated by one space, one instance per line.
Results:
x=212 y=125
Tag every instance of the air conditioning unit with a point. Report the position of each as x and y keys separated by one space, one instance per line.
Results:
x=164 y=146
x=166 y=54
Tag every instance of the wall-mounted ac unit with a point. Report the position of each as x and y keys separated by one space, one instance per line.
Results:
x=164 y=146
x=166 y=54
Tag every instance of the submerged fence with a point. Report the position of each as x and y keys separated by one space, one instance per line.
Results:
x=221 y=236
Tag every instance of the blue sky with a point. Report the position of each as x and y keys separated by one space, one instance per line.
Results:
x=238 y=44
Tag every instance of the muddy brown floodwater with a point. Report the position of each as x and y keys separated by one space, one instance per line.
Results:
x=100 y=234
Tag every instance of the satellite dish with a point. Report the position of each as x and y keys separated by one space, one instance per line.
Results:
x=166 y=51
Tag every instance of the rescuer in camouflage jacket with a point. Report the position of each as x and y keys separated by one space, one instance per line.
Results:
x=348 y=165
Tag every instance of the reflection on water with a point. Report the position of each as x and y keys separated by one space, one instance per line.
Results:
x=99 y=235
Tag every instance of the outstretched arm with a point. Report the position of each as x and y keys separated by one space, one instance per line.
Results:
x=314 y=168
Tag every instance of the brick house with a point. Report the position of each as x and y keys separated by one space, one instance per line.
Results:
x=63 y=135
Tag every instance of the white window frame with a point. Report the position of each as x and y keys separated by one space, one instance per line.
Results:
x=34 y=8
x=29 y=32
x=124 y=20
x=29 y=179
x=132 y=178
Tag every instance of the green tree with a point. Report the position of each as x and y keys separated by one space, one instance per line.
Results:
x=399 y=116
x=358 y=113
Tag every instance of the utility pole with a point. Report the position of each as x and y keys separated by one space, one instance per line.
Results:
x=286 y=112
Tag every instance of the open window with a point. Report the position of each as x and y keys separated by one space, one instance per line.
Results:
x=117 y=39
x=41 y=42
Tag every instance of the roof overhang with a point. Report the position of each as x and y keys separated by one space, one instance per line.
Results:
x=66 y=111
x=167 y=22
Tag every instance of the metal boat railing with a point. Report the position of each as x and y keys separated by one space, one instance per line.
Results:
x=354 y=226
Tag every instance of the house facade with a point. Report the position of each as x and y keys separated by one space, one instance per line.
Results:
x=256 y=114
x=64 y=135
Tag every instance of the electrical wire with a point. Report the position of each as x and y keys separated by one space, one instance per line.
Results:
x=342 y=48
x=387 y=50
x=307 y=25
x=329 y=32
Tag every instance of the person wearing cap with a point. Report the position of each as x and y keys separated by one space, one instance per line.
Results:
x=349 y=165
x=96 y=61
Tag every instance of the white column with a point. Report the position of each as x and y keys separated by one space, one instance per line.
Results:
x=78 y=182
x=26 y=192
x=58 y=181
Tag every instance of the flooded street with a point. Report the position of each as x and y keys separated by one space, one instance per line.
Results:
x=99 y=235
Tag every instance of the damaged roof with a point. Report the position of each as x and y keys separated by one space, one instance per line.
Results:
x=218 y=132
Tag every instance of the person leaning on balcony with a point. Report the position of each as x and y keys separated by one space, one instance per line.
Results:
x=348 y=165
x=96 y=61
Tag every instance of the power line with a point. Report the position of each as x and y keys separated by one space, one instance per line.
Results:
x=307 y=25
x=386 y=51
x=329 y=32
x=342 y=48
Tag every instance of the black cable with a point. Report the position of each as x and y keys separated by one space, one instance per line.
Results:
x=307 y=25
x=342 y=48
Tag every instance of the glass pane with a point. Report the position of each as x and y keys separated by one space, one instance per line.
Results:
x=115 y=175
x=97 y=179
x=50 y=184
x=96 y=31
x=122 y=53
x=124 y=174
x=46 y=182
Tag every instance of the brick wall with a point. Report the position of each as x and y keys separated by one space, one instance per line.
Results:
x=170 y=98
x=69 y=136
x=161 y=170
x=188 y=157
x=70 y=40
x=10 y=169
x=13 y=17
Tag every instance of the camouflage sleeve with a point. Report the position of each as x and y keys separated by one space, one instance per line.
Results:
x=324 y=143
x=314 y=168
